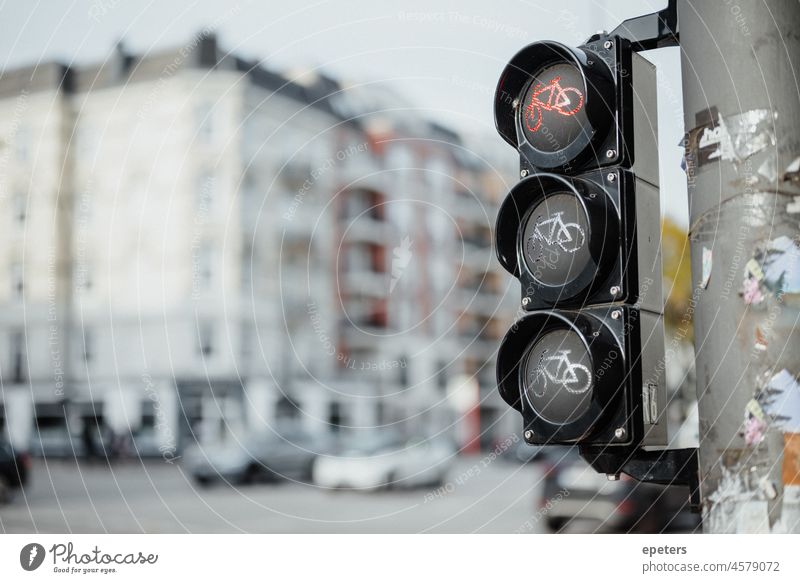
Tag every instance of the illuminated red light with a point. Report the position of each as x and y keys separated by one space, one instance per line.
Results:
x=559 y=99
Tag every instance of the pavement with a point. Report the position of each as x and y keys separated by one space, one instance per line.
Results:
x=154 y=496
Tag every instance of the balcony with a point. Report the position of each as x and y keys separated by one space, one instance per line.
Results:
x=365 y=229
x=363 y=282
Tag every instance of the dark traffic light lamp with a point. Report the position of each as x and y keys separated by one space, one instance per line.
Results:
x=575 y=376
x=572 y=241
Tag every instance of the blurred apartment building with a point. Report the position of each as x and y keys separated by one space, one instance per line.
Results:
x=195 y=245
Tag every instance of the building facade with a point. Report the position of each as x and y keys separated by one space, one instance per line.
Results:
x=197 y=246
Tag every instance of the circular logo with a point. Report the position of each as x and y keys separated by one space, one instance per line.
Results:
x=31 y=556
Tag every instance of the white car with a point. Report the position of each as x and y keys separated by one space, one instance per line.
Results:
x=376 y=462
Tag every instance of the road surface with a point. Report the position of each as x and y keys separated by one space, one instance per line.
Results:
x=157 y=497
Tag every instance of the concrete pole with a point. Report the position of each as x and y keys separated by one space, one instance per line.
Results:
x=741 y=92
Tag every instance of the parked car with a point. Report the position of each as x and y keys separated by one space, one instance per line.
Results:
x=377 y=461
x=53 y=439
x=575 y=493
x=262 y=456
x=522 y=453
x=14 y=470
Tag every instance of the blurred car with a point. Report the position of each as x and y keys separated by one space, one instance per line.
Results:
x=373 y=462
x=263 y=456
x=53 y=439
x=574 y=494
x=55 y=442
x=14 y=470
x=523 y=453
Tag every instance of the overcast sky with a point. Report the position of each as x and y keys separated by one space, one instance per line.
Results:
x=442 y=56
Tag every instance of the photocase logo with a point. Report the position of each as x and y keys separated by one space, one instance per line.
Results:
x=401 y=257
x=31 y=556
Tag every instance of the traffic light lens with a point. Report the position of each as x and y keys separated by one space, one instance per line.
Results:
x=555 y=243
x=553 y=112
x=557 y=377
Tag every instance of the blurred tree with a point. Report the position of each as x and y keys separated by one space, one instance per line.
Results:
x=677 y=273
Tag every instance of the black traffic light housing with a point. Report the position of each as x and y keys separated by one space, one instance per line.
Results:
x=581 y=231
x=568 y=109
x=589 y=257
x=566 y=397
x=585 y=364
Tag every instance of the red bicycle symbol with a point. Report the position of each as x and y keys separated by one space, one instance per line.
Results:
x=565 y=100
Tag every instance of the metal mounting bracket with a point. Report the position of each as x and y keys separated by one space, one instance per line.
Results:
x=649 y=31
x=669 y=467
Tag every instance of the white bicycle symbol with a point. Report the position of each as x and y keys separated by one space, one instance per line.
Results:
x=554 y=231
x=573 y=376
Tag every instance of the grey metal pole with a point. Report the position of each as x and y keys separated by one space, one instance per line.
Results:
x=741 y=91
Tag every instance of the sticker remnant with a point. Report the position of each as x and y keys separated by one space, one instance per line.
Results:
x=754 y=408
x=751 y=291
x=792 y=172
x=767 y=486
x=733 y=138
x=784 y=404
x=790 y=473
x=754 y=269
x=782 y=266
x=773 y=270
x=761 y=339
x=753 y=518
x=768 y=170
x=754 y=430
x=707 y=259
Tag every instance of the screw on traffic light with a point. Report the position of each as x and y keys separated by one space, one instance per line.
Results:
x=581 y=231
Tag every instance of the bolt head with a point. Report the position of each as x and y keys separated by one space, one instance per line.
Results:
x=610 y=153
x=523 y=173
x=615 y=290
x=528 y=435
x=526 y=301
x=619 y=432
x=611 y=177
x=608 y=44
x=616 y=314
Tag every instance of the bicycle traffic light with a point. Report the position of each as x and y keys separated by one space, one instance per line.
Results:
x=581 y=232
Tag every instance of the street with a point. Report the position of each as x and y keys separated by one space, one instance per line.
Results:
x=157 y=497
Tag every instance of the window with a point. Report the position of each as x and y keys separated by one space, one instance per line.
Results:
x=287 y=408
x=20 y=207
x=403 y=372
x=206 y=339
x=18 y=357
x=86 y=142
x=247 y=264
x=83 y=276
x=22 y=140
x=441 y=375
x=336 y=416
x=17 y=279
x=205 y=121
x=205 y=259
x=88 y=346
x=246 y=340
x=205 y=191
x=148 y=415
